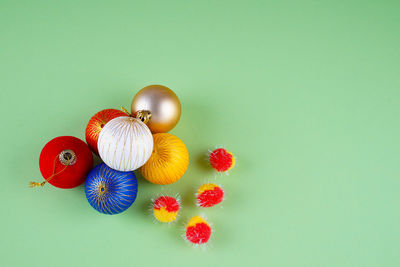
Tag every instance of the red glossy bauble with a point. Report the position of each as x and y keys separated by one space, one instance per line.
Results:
x=69 y=158
x=96 y=123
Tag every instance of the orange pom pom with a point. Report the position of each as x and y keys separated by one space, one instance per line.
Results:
x=168 y=162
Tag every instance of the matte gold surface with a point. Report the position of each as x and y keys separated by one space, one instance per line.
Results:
x=163 y=105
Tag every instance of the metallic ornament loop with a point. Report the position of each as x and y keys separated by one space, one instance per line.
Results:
x=67 y=157
x=102 y=189
x=143 y=115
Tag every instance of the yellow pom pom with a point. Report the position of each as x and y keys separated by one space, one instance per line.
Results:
x=195 y=220
x=166 y=208
x=168 y=162
x=163 y=215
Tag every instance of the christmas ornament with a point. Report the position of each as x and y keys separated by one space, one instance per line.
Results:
x=125 y=143
x=166 y=208
x=110 y=191
x=96 y=124
x=64 y=162
x=198 y=231
x=221 y=160
x=168 y=162
x=159 y=105
x=209 y=195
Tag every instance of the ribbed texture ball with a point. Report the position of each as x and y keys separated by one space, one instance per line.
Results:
x=125 y=143
x=168 y=162
x=110 y=191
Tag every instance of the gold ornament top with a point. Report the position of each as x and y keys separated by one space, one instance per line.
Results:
x=143 y=115
x=67 y=157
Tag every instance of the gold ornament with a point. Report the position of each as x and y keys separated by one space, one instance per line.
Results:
x=159 y=105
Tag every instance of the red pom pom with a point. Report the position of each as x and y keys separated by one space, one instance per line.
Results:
x=96 y=123
x=221 y=160
x=65 y=161
x=169 y=203
x=198 y=231
x=166 y=208
x=209 y=195
x=198 y=234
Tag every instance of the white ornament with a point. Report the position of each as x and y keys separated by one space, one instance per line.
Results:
x=125 y=144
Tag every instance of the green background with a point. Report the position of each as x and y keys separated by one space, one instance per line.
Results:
x=305 y=93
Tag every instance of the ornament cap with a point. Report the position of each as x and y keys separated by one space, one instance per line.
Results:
x=143 y=115
x=102 y=189
x=67 y=157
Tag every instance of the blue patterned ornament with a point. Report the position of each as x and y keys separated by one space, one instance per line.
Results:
x=110 y=191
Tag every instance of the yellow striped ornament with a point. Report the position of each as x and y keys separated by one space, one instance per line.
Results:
x=168 y=162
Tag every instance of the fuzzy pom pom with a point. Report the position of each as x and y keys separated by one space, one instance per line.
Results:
x=221 y=160
x=198 y=231
x=209 y=195
x=166 y=208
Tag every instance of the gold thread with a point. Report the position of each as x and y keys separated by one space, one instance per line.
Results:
x=127 y=112
x=36 y=184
